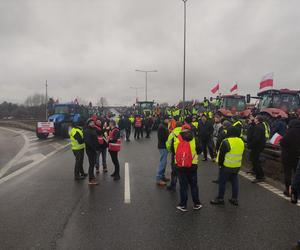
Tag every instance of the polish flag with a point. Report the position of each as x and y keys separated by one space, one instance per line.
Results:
x=276 y=138
x=234 y=88
x=267 y=81
x=215 y=88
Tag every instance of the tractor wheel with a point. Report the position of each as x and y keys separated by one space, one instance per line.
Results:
x=65 y=128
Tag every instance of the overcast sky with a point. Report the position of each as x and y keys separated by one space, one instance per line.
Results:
x=91 y=48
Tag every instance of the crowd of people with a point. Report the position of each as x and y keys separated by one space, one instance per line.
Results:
x=185 y=138
x=225 y=141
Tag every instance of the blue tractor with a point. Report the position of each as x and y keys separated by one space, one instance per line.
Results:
x=61 y=118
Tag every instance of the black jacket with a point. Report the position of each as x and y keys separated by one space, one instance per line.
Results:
x=162 y=135
x=90 y=139
x=205 y=130
x=257 y=140
x=290 y=144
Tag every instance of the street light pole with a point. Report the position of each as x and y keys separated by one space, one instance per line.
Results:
x=184 y=55
x=46 y=101
x=146 y=72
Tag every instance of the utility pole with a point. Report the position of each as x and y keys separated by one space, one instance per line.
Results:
x=46 y=102
x=184 y=55
x=146 y=72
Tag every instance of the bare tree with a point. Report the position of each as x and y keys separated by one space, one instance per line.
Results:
x=35 y=100
x=102 y=102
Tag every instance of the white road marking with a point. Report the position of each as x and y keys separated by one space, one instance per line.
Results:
x=127 y=199
x=267 y=186
x=24 y=169
x=18 y=156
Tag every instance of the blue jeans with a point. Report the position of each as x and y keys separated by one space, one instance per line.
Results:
x=162 y=164
x=225 y=176
x=188 y=177
x=102 y=152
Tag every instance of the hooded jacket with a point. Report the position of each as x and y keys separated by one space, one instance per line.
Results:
x=290 y=146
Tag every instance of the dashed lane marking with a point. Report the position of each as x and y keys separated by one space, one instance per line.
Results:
x=267 y=186
x=127 y=198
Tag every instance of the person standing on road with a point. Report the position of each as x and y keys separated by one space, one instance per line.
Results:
x=114 y=147
x=148 y=126
x=290 y=152
x=101 y=147
x=217 y=129
x=176 y=131
x=229 y=159
x=205 y=132
x=78 y=146
x=162 y=136
x=256 y=144
x=186 y=150
x=138 y=127
x=127 y=124
x=91 y=141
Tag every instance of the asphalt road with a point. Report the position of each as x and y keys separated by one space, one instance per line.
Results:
x=44 y=208
x=10 y=144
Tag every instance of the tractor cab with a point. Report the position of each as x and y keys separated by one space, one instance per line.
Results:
x=145 y=108
x=233 y=105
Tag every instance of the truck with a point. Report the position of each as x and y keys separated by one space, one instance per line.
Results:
x=273 y=103
x=233 y=106
x=60 y=120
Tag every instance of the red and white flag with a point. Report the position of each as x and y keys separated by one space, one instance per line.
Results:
x=215 y=88
x=234 y=88
x=267 y=81
x=276 y=138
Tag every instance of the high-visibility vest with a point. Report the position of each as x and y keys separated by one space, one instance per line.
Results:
x=74 y=143
x=205 y=103
x=233 y=158
x=131 y=119
x=138 y=122
x=267 y=130
x=193 y=149
x=171 y=136
x=195 y=111
x=195 y=124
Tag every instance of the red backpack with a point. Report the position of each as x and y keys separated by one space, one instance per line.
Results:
x=184 y=157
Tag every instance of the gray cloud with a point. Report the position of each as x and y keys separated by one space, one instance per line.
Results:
x=91 y=48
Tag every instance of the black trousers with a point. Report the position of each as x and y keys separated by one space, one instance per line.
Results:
x=128 y=132
x=148 y=131
x=207 y=143
x=288 y=173
x=254 y=156
x=92 y=162
x=115 y=160
x=138 y=132
x=79 y=157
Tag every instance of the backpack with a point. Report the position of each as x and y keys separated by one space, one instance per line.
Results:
x=183 y=156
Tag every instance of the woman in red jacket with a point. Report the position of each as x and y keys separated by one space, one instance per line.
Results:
x=114 y=146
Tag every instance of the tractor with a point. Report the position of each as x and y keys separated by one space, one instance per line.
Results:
x=232 y=106
x=60 y=120
x=145 y=108
x=274 y=103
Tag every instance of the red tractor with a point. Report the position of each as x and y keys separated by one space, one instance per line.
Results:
x=232 y=106
x=274 y=103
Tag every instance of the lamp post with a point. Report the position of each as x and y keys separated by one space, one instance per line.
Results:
x=46 y=102
x=146 y=72
x=136 y=91
x=184 y=55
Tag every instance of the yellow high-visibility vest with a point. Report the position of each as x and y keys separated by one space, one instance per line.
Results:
x=233 y=158
x=74 y=143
